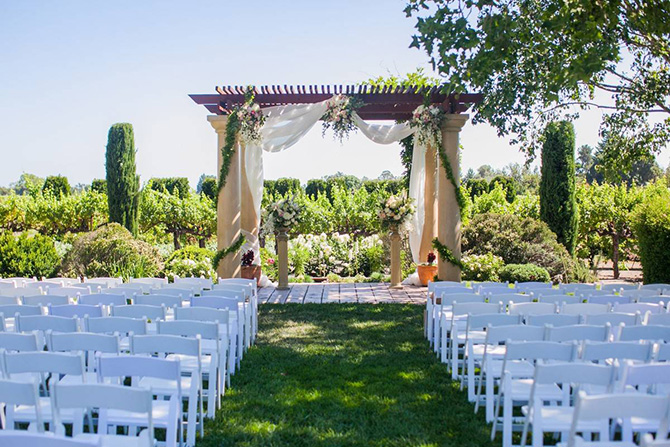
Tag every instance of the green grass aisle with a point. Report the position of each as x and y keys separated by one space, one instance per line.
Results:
x=344 y=375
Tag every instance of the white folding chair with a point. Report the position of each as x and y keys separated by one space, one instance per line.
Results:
x=13 y=342
x=642 y=308
x=599 y=410
x=155 y=283
x=650 y=378
x=493 y=289
x=516 y=382
x=614 y=319
x=116 y=405
x=190 y=282
x=532 y=286
x=250 y=308
x=43 y=323
x=442 y=315
x=105 y=299
x=44 y=285
x=26 y=439
x=190 y=386
x=618 y=287
x=579 y=332
x=45 y=300
x=614 y=353
x=507 y=298
x=20 y=291
x=129 y=289
x=554 y=418
x=168 y=300
x=24 y=395
x=559 y=298
x=65 y=282
x=165 y=413
x=235 y=307
x=555 y=320
x=121 y=326
x=9 y=312
x=648 y=333
x=75 y=310
x=577 y=288
x=89 y=344
x=71 y=292
x=105 y=281
x=608 y=299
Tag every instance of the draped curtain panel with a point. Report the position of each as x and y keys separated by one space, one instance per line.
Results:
x=286 y=125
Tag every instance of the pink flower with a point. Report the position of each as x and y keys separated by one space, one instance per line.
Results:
x=271 y=261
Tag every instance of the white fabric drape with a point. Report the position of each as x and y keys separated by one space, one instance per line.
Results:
x=286 y=125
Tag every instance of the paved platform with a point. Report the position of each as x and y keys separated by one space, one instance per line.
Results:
x=343 y=293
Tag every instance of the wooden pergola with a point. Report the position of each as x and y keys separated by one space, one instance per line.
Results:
x=442 y=217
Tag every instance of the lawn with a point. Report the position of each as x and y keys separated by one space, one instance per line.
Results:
x=344 y=375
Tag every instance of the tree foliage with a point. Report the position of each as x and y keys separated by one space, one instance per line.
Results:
x=652 y=228
x=558 y=207
x=539 y=61
x=123 y=183
x=177 y=186
x=56 y=185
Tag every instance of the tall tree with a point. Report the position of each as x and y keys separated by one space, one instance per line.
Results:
x=540 y=61
x=123 y=183
x=558 y=205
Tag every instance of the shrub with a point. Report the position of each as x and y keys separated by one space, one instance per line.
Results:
x=111 y=251
x=523 y=273
x=558 y=206
x=651 y=224
x=508 y=184
x=123 y=183
x=99 y=185
x=209 y=188
x=177 y=186
x=28 y=256
x=269 y=264
x=482 y=267
x=520 y=240
x=476 y=186
x=56 y=185
x=190 y=261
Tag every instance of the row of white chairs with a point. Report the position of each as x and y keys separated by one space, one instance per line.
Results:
x=104 y=282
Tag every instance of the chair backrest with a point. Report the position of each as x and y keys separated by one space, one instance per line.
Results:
x=572 y=373
x=555 y=320
x=451 y=290
x=233 y=287
x=432 y=285
x=66 y=282
x=152 y=282
x=7 y=284
x=579 y=332
x=656 y=299
x=45 y=323
x=545 y=350
x=655 y=286
x=45 y=300
x=494 y=290
x=531 y=286
x=189 y=328
x=84 y=342
x=216 y=302
x=649 y=333
x=166 y=300
x=112 y=325
x=662 y=352
x=139 y=366
x=14 y=393
x=19 y=291
x=559 y=298
x=43 y=284
x=645 y=377
x=615 y=406
x=44 y=362
x=104 y=280
x=638 y=293
x=10 y=310
x=238 y=295
x=507 y=298
x=532 y=308
x=105 y=397
x=202 y=314
x=447 y=300
x=613 y=318
x=576 y=288
x=598 y=351
x=185 y=292
x=11 y=341
x=617 y=287
x=166 y=344
x=643 y=308
x=139 y=311
x=15 y=438
x=106 y=299
x=8 y=300
x=516 y=332
x=657 y=319
x=477 y=322
x=465 y=309
x=75 y=310
x=70 y=292
x=589 y=293
x=584 y=309
x=194 y=283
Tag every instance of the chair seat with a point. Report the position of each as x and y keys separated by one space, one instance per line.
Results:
x=473 y=336
x=644 y=424
x=560 y=419
x=582 y=443
x=160 y=415
x=517 y=368
x=166 y=387
x=497 y=351
x=26 y=413
x=520 y=390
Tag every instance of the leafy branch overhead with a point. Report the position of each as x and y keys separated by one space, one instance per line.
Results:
x=536 y=62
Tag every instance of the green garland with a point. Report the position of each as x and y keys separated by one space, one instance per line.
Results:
x=460 y=199
x=226 y=251
x=445 y=254
x=228 y=149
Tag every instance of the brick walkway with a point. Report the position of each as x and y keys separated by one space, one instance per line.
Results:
x=343 y=293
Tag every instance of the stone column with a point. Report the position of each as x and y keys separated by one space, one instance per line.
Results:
x=248 y=220
x=228 y=213
x=282 y=254
x=430 y=205
x=396 y=274
x=448 y=214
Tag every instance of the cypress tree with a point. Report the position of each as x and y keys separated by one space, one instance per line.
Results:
x=558 y=205
x=123 y=183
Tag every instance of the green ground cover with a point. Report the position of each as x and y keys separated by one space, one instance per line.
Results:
x=344 y=375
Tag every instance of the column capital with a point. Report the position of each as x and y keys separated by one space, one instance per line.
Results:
x=218 y=122
x=454 y=122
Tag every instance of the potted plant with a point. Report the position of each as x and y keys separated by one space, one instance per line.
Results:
x=249 y=270
x=427 y=270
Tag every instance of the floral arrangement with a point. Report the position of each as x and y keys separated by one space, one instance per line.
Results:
x=248 y=258
x=284 y=213
x=395 y=211
x=251 y=120
x=339 y=116
x=428 y=122
x=430 y=259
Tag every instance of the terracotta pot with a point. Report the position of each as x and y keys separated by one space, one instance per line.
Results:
x=252 y=272
x=426 y=273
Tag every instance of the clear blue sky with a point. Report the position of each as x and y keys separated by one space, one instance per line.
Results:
x=71 y=69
